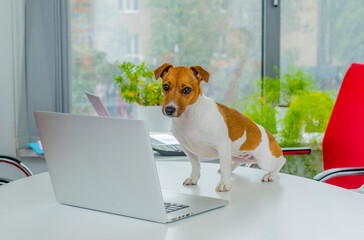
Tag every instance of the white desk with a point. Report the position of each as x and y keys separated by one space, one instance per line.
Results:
x=290 y=208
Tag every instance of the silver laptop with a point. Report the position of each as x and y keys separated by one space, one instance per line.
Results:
x=107 y=164
x=98 y=105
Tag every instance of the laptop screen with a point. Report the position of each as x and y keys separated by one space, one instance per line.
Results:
x=98 y=105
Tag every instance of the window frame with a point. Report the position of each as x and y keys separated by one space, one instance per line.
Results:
x=271 y=37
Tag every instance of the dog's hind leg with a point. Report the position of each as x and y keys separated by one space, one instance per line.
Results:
x=273 y=167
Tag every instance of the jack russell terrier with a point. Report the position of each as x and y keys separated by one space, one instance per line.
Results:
x=206 y=129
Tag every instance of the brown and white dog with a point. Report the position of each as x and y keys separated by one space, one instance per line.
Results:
x=206 y=129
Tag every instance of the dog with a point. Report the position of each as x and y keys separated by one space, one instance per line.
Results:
x=206 y=129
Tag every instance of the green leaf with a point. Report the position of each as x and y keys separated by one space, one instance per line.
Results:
x=136 y=84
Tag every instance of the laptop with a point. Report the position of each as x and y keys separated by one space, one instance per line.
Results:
x=164 y=143
x=107 y=164
x=98 y=105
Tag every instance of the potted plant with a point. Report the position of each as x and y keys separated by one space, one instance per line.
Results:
x=137 y=85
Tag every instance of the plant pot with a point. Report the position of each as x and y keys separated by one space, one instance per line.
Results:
x=154 y=118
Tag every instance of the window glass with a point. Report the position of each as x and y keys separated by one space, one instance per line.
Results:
x=319 y=41
x=324 y=37
x=224 y=37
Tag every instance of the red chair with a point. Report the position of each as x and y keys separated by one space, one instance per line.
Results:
x=343 y=143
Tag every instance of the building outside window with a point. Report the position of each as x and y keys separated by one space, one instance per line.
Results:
x=128 y=6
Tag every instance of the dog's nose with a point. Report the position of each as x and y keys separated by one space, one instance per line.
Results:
x=170 y=110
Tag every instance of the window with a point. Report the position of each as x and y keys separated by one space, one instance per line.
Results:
x=128 y=6
x=224 y=38
x=132 y=47
x=319 y=39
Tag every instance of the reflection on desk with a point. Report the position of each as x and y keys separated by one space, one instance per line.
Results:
x=289 y=208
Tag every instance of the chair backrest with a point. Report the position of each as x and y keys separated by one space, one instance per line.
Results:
x=343 y=143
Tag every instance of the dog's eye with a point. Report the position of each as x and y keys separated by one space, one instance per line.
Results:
x=165 y=87
x=186 y=90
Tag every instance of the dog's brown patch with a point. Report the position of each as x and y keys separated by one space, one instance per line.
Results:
x=237 y=124
x=273 y=145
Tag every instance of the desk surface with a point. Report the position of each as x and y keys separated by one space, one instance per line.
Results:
x=289 y=208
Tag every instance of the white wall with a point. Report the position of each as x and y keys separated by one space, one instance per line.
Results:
x=7 y=81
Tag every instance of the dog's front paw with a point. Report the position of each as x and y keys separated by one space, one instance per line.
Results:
x=190 y=181
x=222 y=186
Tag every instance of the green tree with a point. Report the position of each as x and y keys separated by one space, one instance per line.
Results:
x=89 y=68
x=185 y=31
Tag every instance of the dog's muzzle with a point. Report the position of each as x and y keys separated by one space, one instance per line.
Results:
x=170 y=111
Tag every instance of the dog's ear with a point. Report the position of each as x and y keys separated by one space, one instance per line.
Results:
x=200 y=73
x=162 y=70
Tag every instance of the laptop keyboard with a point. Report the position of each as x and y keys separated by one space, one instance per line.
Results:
x=172 y=207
